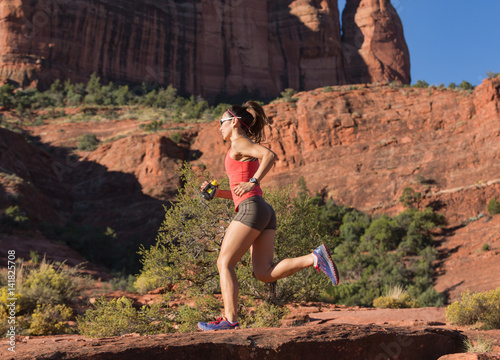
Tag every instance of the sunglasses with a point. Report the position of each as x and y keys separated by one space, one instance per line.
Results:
x=221 y=121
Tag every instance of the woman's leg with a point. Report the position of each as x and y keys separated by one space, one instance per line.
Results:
x=262 y=259
x=238 y=239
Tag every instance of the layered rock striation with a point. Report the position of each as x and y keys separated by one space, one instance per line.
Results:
x=363 y=147
x=343 y=342
x=206 y=47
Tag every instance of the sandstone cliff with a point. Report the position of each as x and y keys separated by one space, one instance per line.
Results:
x=363 y=147
x=373 y=43
x=202 y=46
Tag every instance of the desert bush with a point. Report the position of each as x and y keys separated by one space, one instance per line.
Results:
x=206 y=308
x=493 y=207
x=421 y=84
x=492 y=74
x=287 y=95
x=395 y=297
x=6 y=95
x=118 y=317
x=153 y=126
x=190 y=237
x=366 y=270
x=465 y=85
x=476 y=309
x=265 y=315
x=49 y=319
x=123 y=282
x=4 y=300
x=410 y=198
x=176 y=137
x=478 y=346
x=146 y=282
x=15 y=216
x=371 y=253
x=48 y=285
x=88 y=142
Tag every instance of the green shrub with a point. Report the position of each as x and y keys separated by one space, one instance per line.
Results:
x=6 y=95
x=476 y=309
x=176 y=137
x=265 y=315
x=153 y=126
x=410 y=198
x=421 y=84
x=4 y=300
x=385 y=302
x=492 y=74
x=48 y=285
x=125 y=283
x=207 y=308
x=366 y=270
x=287 y=95
x=49 y=319
x=88 y=142
x=465 y=85
x=15 y=216
x=146 y=282
x=395 y=298
x=479 y=346
x=188 y=244
x=118 y=317
x=493 y=207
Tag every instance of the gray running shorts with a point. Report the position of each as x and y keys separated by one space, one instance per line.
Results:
x=256 y=213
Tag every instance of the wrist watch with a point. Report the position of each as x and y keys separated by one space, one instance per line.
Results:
x=254 y=181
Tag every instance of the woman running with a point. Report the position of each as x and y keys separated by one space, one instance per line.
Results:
x=254 y=226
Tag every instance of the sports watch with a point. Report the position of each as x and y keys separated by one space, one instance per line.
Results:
x=254 y=181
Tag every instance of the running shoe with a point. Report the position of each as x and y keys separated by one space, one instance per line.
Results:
x=220 y=323
x=325 y=263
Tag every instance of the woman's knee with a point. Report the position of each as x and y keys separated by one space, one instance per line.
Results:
x=263 y=276
x=223 y=264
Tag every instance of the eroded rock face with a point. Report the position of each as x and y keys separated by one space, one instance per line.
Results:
x=304 y=342
x=152 y=159
x=363 y=147
x=373 y=43
x=206 y=47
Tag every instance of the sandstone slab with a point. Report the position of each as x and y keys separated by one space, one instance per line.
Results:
x=315 y=341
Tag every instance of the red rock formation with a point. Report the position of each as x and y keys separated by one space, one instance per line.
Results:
x=342 y=342
x=201 y=47
x=363 y=147
x=153 y=159
x=373 y=43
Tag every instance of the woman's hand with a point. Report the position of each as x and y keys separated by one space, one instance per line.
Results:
x=243 y=187
x=205 y=183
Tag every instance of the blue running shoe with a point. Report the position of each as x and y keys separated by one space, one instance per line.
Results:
x=325 y=263
x=220 y=323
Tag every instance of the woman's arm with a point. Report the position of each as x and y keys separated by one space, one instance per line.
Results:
x=246 y=148
x=225 y=194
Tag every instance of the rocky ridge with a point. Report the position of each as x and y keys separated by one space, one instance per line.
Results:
x=381 y=137
x=203 y=47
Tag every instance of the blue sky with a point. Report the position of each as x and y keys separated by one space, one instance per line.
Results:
x=450 y=40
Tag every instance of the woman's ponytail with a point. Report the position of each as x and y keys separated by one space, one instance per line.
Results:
x=253 y=121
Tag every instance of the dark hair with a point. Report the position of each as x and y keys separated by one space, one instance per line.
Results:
x=252 y=124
